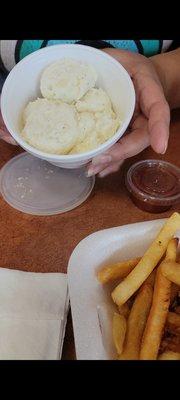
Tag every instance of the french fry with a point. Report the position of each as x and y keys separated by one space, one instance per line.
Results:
x=157 y=318
x=148 y=262
x=159 y=310
x=175 y=289
x=126 y=307
x=118 y=270
x=169 y=355
x=173 y=319
x=119 y=331
x=136 y=323
x=124 y=310
x=171 y=270
x=170 y=341
x=151 y=279
x=171 y=252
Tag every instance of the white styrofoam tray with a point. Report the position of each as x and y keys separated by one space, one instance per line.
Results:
x=91 y=303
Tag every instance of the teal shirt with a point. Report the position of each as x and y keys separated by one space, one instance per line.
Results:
x=145 y=47
x=12 y=51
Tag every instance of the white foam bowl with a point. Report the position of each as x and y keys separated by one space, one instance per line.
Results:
x=23 y=85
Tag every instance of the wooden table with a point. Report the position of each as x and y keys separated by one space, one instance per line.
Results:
x=44 y=244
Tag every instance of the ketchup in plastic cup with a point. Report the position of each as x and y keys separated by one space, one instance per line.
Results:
x=154 y=185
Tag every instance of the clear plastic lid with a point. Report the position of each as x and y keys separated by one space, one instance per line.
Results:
x=34 y=186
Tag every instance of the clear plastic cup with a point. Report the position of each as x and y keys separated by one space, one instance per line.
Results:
x=154 y=185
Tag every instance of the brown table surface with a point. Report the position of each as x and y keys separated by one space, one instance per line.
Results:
x=44 y=244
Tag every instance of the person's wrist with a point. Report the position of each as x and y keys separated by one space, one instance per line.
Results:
x=158 y=63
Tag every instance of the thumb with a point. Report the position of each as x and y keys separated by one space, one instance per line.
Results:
x=7 y=137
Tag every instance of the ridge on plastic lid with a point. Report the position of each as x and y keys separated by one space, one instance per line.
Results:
x=154 y=185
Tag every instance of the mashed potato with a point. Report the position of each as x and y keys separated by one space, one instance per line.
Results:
x=106 y=124
x=95 y=100
x=95 y=129
x=89 y=143
x=67 y=80
x=74 y=116
x=86 y=125
x=50 y=126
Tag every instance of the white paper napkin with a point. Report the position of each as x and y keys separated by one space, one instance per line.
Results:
x=33 y=313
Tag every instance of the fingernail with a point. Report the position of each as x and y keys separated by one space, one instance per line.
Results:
x=102 y=174
x=12 y=141
x=93 y=170
x=89 y=173
x=8 y=139
x=164 y=150
x=102 y=159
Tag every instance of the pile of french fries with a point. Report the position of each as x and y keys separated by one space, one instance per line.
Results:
x=148 y=286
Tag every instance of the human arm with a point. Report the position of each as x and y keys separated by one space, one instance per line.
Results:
x=167 y=66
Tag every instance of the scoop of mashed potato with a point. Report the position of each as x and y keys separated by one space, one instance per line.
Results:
x=97 y=122
x=107 y=124
x=67 y=80
x=74 y=116
x=95 y=129
x=95 y=100
x=89 y=143
x=50 y=126
x=86 y=125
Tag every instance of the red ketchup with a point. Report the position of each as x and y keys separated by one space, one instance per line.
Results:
x=154 y=185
